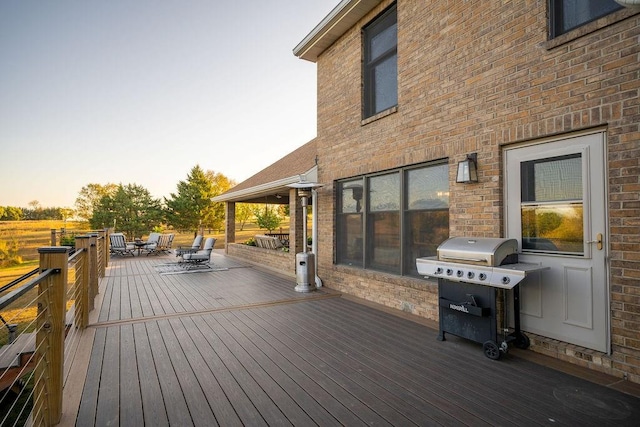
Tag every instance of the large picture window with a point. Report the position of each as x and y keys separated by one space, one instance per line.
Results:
x=380 y=69
x=565 y=15
x=385 y=221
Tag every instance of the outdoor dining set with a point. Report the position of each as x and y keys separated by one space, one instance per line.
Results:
x=158 y=243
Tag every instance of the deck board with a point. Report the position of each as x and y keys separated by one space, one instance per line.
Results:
x=241 y=347
x=130 y=393
x=173 y=395
x=108 y=410
x=153 y=406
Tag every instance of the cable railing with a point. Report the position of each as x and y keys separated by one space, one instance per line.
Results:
x=42 y=322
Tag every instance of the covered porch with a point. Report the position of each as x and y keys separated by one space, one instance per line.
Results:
x=273 y=186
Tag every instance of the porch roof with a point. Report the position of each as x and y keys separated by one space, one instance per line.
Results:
x=270 y=184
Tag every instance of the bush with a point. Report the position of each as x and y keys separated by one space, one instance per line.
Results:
x=250 y=242
x=9 y=253
x=68 y=240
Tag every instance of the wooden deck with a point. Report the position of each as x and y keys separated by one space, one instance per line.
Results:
x=240 y=347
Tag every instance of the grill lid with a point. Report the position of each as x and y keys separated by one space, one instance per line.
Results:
x=477 y=250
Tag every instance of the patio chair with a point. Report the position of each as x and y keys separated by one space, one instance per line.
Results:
x=119 y=246
x=163 y=245
x=152 y=242
x=200 y=258
x=195 y=246
x=167 y=248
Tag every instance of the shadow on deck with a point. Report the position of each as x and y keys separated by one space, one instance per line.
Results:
x=238 y=346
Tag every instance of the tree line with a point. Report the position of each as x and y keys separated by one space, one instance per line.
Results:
x=34 y=212
x=130 y=208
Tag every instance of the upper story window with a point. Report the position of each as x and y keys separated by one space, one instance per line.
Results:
x=565 y=15
x=380 y=63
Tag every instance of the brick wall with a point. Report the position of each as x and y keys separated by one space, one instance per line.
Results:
x=279 y=261
x=475 y=77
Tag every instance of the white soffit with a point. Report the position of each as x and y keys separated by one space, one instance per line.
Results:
x=267 y=188
x=344 y=16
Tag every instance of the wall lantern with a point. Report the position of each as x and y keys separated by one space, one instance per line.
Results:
x=468 y=169
x=631 y=4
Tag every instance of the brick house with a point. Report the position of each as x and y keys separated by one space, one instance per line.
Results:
x=546 y=96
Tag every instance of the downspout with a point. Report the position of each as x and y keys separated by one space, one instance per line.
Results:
x=314 y=237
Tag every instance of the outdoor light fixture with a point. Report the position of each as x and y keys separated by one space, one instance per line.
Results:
x=468 y=169
x=305 y=262
x=631 y=4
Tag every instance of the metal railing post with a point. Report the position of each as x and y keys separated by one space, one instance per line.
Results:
x=50 y=336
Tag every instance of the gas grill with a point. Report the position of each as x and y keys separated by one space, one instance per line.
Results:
x=469 y=272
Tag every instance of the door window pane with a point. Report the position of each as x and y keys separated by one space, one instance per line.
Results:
x=553 y=179
x=553 y=228
x=552 y=214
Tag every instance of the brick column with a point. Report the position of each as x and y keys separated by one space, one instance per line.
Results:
x=296 y=222
x=230 y=224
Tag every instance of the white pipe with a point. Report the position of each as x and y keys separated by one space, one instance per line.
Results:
x=314 y=238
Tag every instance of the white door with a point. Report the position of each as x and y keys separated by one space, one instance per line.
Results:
x=556 y=208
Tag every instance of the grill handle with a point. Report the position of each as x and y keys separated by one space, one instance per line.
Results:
x=453 y=258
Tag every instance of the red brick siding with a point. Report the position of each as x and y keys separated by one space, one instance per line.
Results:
x=472 y=78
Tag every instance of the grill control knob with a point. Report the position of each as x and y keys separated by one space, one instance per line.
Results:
x=449 y=272
x=470 y=275
x=482 y=276
x=506 y=280
x=459 y=273
x=439 y=270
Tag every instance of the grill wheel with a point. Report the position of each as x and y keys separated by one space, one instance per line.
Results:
x=491 y=350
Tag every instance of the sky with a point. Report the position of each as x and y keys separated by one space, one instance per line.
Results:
x=141 y=91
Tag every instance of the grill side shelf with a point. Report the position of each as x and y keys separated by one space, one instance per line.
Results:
x=465 y=307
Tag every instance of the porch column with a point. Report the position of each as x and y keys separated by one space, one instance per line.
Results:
x=296 y=222
x=230 y=225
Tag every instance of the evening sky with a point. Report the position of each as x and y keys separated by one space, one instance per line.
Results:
x=140 y=91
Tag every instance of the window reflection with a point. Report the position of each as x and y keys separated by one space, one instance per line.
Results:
x=555 y=228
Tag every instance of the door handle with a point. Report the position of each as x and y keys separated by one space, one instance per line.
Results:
x=598 y=241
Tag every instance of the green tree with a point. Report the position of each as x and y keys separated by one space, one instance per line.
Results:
x=215 y=215
x=12 y=213
x=191 y=206
x=89 y=197
x=244 y=212
x=131 y=210
x=267 y=218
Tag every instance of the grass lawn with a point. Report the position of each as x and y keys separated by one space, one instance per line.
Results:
x=30 y=235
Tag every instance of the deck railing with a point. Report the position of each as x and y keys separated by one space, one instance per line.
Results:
x=43 y=319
